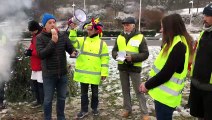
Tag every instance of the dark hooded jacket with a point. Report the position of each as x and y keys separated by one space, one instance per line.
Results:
x=53 y=55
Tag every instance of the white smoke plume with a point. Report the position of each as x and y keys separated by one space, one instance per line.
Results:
x=13 y=21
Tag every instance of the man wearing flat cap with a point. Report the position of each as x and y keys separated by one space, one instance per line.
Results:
x=201 y=71
x=133 y=43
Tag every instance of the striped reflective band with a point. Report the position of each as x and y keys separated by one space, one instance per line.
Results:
x=105 y=65
x=92 y=54
x=170 y=91
x=106 y=54
x=88 y=72
x=173 y=79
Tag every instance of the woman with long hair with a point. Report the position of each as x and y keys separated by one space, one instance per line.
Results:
x=169 y=70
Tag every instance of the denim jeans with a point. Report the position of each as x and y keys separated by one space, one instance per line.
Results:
x=1 y=93
x=163 y=112
x=84 y=97
x=50 y=84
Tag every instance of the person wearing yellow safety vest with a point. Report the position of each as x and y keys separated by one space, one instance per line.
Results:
x=169 y=70
x=201 y=71
x=133 y=43
x=91 y=65
x=73 y=33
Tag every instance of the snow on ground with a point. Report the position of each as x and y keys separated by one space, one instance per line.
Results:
x=111 y=89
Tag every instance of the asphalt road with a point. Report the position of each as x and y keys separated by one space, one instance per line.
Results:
x=110 y=41
x=149 y=42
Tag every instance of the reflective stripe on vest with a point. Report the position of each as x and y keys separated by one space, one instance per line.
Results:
x=92 y=54
x=82 y=52
x=88 y=72
x=170 y=91
x=173 y=79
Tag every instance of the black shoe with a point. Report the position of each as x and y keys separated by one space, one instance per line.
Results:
x=81 y=114
x=187 y=106
x=95 y=112
x=2 y=106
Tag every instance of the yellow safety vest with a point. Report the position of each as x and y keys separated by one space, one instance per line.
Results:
x=73 y=37
x=93 y=60
x=132 y=47
x=169 y=93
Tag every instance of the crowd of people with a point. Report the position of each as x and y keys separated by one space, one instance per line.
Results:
x=166 y=79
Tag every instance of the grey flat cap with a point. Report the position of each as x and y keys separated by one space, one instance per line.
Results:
x=129 y=20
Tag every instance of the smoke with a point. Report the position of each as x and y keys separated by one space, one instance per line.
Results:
x=13 y=21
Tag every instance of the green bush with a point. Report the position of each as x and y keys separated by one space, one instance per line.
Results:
x=73 y=88
x=18 y=87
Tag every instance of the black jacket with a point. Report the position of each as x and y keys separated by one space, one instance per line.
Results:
x=143 y=54
x=53 y=55
x=203 y=62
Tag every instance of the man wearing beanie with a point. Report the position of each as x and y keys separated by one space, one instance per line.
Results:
x=35 y=63
x=52 y=46
x=201 y=71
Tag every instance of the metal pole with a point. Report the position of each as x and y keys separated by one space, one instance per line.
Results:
x=197 y=5
x=139 y=23
x=84 y=5
x=191 y=11
x=73 y=5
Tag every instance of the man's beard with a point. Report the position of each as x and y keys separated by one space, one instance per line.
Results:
x=207 y=27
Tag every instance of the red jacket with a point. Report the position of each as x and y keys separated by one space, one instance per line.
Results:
x=35 y=61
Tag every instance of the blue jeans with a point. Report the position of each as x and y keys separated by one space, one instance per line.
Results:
x=163 y=112
x=84 y=97
x=49 y=85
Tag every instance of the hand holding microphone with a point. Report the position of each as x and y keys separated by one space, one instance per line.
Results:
x=54 y=35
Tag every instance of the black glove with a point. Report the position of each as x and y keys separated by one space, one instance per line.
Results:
x=28 y=52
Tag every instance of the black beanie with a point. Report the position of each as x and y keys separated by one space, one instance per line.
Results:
x=33 y=25
x=208 y=10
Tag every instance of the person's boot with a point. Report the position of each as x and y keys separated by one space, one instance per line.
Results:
x=36 y=105
x=81 y=115
x=145 y=117
x=95 y=112
x=2 y=106
x=126 y=114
